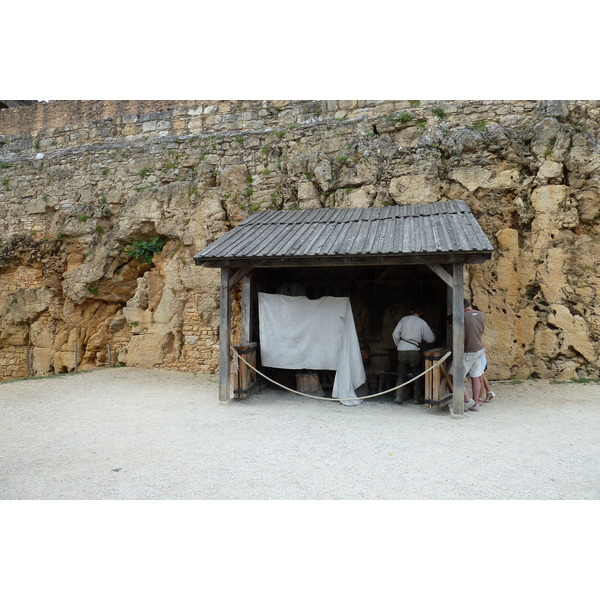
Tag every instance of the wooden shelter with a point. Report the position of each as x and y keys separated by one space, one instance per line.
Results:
x=394 y=248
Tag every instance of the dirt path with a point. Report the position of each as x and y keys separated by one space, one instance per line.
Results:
x=149 y=434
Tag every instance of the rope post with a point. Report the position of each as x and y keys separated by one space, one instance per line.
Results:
x=76 y=356
x=108 y=352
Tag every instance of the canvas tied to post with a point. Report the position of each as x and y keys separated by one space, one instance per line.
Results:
x=299 y=333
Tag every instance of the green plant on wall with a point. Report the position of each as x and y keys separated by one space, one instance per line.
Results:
x=550 y=147
x=145 y=250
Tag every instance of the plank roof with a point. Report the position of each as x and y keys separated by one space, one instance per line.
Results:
x=439 y=228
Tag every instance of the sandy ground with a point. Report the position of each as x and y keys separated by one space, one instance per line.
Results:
x=131 y=433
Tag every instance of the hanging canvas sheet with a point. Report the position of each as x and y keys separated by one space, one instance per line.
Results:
x=298 y=333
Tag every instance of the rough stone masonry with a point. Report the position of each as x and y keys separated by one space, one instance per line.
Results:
x=84 y=183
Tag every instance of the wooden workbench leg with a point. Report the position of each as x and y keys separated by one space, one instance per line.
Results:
x=436 y=384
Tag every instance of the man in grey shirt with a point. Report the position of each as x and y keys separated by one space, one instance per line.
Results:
x=408 y=335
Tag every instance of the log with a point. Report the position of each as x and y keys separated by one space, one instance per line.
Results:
x=308 y=383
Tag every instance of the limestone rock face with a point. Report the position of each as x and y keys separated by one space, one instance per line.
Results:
x=84 y=184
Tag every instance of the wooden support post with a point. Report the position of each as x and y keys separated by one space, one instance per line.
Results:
x=237 y=276
x=442 y=274
x=76 y=356
x=225 y=339
x=246 y=309
x=449 y=296
x=448 y=279
x=108 y=353
x=457 y=407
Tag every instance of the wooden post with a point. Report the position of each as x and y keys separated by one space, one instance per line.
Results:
x=246 y=309
x=225 y=339
x=76 y=356
x=457 y=407
x=108 y=352
x=428 y=391
x=436 y=380
x=449 y=296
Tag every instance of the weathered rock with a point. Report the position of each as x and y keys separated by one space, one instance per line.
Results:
x=190 y=171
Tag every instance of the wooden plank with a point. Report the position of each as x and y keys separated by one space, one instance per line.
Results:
x=458 y=340
x=446 y=376
x=246 y=309
x=308 y=383
x=442 y=274
x=328 y=261
x=449 y=293
x=238 y=275
x=246 y=377
x=436 y=376
x=225 y=339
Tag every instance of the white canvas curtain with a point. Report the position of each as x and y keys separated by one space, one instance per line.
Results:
x=298 y=333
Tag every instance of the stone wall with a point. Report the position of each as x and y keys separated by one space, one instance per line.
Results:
x=81 y=182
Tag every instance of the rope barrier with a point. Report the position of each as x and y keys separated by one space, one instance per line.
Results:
x=442 y=360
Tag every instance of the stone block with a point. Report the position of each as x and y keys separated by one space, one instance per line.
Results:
x=545 y=344
x=413 y=189
x=42 y=361
x=550 y=170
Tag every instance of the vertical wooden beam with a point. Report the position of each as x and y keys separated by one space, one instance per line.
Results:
x=449 y=318
x=225 y=339
x=246 y=309
x=458 y=340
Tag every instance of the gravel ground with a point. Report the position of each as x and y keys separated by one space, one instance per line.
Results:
x=133 y=433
